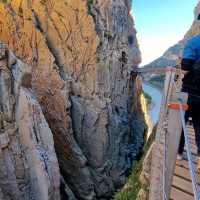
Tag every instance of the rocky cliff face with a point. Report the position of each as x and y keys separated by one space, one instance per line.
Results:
x=28 y=162
x=76 y=84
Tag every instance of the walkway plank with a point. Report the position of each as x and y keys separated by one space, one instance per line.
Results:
x=177 y=194
x=183 y=173
x=181 y=185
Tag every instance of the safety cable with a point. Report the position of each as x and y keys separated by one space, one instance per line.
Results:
x=188 y=145
x=189 y=155
x=188 y=150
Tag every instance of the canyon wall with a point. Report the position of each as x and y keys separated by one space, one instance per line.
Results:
x=28 y=162
x=76 y=85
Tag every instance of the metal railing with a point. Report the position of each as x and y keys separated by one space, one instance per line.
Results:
x=187 y=145
x=170 y=126
x=188 y=151
x=189 y=156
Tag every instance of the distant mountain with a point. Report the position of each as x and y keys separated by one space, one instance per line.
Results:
x=171 y=56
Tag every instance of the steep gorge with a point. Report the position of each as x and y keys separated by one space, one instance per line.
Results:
x=66 y=82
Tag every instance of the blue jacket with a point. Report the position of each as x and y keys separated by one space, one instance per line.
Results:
x=192 y=49
x=191 y=57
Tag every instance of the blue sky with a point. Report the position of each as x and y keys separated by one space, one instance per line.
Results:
x=160 y=24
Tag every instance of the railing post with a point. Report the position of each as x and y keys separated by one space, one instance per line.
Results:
x=167 y=140
x=157 y=164
x=173 y=134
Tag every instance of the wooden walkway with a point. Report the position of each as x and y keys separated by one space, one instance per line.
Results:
x=181 y=185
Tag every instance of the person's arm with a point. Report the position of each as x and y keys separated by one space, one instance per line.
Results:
x=189 y=56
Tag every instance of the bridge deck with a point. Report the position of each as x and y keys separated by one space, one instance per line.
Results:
x=181 y=185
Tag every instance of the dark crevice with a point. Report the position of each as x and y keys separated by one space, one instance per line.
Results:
x=35 y=133
x=130 y=39
x=198 y=18
x=12 y=80
x=50 y=46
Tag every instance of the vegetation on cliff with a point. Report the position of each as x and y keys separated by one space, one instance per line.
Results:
x=133 y=186
x=147 y=97
x=5 y=1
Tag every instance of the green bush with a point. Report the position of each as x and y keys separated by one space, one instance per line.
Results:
x=89 y=4
x=147 y=97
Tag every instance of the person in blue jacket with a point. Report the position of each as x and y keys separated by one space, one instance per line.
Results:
x=191 y=84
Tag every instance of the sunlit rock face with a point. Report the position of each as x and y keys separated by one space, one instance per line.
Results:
x=80 y=55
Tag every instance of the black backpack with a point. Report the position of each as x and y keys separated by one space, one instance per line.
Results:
x=191 y=81
x=196 y=74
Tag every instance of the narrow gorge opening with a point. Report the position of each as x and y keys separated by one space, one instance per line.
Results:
x=161 y=47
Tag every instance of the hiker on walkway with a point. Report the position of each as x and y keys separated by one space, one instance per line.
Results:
x=191 y=85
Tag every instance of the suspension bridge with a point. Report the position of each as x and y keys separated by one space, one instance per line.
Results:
x=171 y=179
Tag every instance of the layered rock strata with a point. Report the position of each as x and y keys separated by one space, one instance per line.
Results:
x=28 y=162
x=80 y=55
